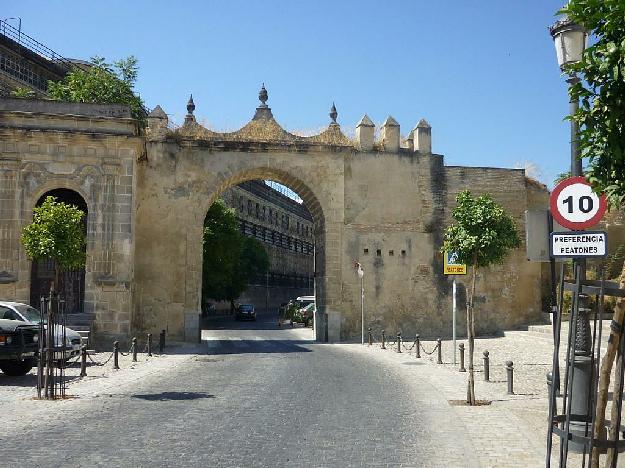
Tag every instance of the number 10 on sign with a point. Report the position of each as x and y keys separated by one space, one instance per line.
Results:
x=574 y=205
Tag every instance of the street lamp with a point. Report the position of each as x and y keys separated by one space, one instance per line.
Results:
x=570 y=41
x=361 y=275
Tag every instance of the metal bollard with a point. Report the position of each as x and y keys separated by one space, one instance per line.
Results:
x=439 y=356
x=161 y=342
x=461 y=348
x=486 y=368
x=383 y=339
x=149 y=344
x=418 y=345
x=115 y=354
x=399 y=342
x=510 y=372
x=549 y=385
x=370 y=337
x=83 y=361
x=134 y=349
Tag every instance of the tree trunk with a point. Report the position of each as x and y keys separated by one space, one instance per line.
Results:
x=606 y=369
x=617 y=389
x=471 y=336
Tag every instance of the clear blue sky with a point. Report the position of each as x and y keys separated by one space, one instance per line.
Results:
x=482 y=72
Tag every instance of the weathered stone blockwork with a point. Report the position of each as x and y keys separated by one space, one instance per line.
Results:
x=383 y=206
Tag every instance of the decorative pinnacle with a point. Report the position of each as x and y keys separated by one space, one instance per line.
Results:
x=190 y=105
x=333 y=113
x=263 y=96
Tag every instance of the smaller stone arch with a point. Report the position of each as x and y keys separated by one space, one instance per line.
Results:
x=73 y=283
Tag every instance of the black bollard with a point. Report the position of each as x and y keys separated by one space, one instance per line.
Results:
x=510 y=372
x=383 y=339
x=149 y=344
x=116 y=355
x=134 y=349
x=399 y=342
x=370 y=337
x=486 y=368
x=549 y=385
x=161 y=342
x=461 y=349
x=417 y=345
x=83 y=361
x=439 y=356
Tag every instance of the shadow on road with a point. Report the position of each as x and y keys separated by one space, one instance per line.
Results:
x=256 y=346
x=173 y=396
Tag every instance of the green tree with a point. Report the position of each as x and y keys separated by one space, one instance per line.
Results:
x=601 y=117
x=482 y=235
x=56 y=233
x=101 y=83
x=231 y=260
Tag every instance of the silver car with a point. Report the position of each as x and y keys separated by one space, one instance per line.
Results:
x=26 y=313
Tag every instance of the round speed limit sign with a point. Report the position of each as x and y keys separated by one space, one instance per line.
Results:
x=574 y=205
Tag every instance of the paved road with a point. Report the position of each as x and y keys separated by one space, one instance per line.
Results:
x=260 y=396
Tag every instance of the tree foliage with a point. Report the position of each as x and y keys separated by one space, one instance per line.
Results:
x=101 y=83
x=23 y=93
x=483 y=232
x=601 y=92
x=481 y=236
x=56 y=233
x=231 y=260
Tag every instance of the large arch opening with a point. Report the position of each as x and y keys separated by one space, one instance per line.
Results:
x=282 y=215
x=72 y=283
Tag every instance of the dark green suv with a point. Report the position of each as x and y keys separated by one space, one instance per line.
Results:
x=19 y=343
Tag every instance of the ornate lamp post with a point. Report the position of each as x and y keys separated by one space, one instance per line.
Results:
x=361 y=275
x=570 y=41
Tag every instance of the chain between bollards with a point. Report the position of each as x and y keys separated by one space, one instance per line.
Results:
x=417 y=345
x=161 y=342
x=149 y=345
x=399 y=342
x=439 y=356
x=370 y=337
x=461 y=348
x=383 y=339
x=116 y=355
x=486 y=366
x=83 y=361
x=510 y=373
x=134 y=349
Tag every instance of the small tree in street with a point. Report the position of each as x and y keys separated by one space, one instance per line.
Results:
x=481 y=236
x=56 y=233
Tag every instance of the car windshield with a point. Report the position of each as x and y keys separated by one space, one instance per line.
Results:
x=246 y=307
x=29 y=313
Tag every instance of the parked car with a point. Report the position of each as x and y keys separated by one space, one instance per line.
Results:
x=19 y=343
x=245 y=312
x=26 y=313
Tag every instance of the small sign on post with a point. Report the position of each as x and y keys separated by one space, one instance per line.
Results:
x=452 y=267
x=579 y=244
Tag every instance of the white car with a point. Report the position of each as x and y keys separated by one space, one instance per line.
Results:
x=26 y=313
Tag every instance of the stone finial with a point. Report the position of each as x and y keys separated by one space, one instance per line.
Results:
x=263 y=111
x=263 y=96
x=390 y=135
x=333 y=114
x=190 y=108
x=365 y=131
x=423 y=137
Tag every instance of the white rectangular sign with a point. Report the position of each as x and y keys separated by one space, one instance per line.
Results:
x=575 y=244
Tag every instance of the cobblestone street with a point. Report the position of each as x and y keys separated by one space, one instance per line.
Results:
x=254 y=394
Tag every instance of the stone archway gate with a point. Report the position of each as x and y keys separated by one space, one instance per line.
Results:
x=383 y=203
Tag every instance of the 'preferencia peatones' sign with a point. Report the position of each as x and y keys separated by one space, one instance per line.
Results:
x=579 y=244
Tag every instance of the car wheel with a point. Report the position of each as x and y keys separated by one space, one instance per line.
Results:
x=17 y=368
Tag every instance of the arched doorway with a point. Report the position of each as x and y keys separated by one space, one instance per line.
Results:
x=72 y=283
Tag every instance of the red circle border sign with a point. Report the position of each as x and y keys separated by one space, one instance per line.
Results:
x=576 y=226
